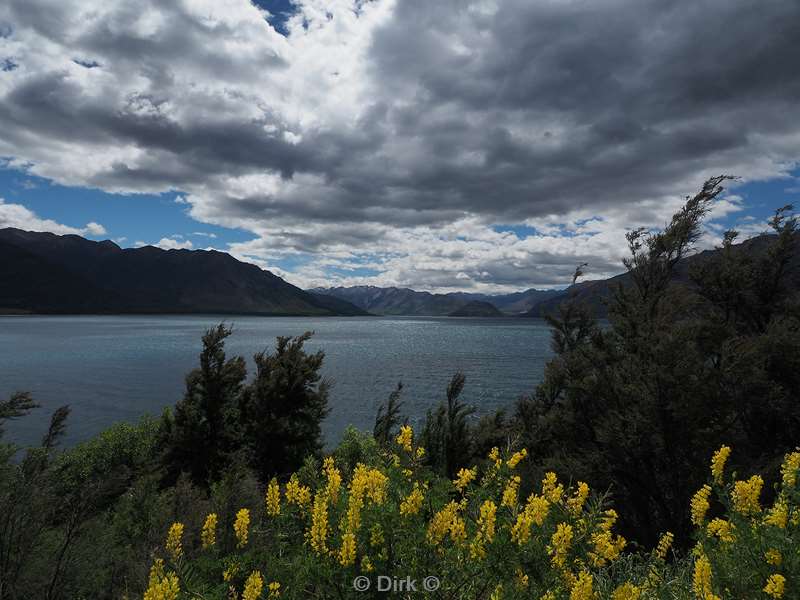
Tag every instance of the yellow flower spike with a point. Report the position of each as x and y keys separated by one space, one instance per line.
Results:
x=412 y=504
x=296 y=493
x=405 y=437
x=773 y=557
x=560 y=544
x=464 y=477
x=778 y=515
x=775 y=586
x=583 y=587
x=520 y=579
x=494 y=456
x=165 y=588
x=376 y=538
x=627 y=591
x=718 y=463
x=253 y=586
x=516 y=458
x=208 y=536
x=174 y=541
x=274 y=589
x=511 y=492
x=664 y=544
x=575 y=504
x=334 y=480
x=700 y=505
x=789 y=469
x=272 y=499
x=241 y=527
x=318 y=534
x=366 y=564
x=723 y=529
x=347 y=553
x=443 y=522
x=551 y=489
x=701 y=580
x=745 y=496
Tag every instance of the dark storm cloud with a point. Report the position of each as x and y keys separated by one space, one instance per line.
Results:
x=453 y=109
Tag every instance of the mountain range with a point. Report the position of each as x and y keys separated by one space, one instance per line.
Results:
x=68 y=274
x=404 y=301
x=47 y=273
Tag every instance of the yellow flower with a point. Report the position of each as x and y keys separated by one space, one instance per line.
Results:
x=722 y=529
x=447 y=520
x=464 y=477
x=253 y=586
x=718 y=463
x=208 y=535
x=535 y=511
x=405 y=437
x=486 y=529
x=773 y=557
x=582 y=589
x=778 y=515
x=318 y=534
x=420 y=452
x=701 y=581
x=366 y=564
x=163 y=587
x=627 y=591
x=775 y=586
x=274 y=589
x=789 y=468
x=273 y=498
x=606 y=547
x=516 y=457
x=745 y=495
x=347 y=554
x=559 y=544
x=664 y=544
x=494 y=456
x=412 y=504
x=376 y=536
x=551 y=489
x=511 y=491
x=575 y=504
x=174 y=537
x=334 y=479
x=241 y=526
x=520 y=579
x=700 y=505
x=231 y=571
x=296 y=493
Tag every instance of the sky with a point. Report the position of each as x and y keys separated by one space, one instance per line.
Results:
x=455 y=145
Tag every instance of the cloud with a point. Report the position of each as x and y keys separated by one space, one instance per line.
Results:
x=398 y=134
x=16 y=215
x=171 y=244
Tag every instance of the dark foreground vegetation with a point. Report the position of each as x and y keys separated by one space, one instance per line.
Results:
x=227 y=495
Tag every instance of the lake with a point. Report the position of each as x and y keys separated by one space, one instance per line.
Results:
x=117 y=368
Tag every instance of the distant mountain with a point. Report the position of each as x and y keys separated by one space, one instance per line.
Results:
x=477 y=308
x=596 y=293
x=404 y=301
x=47 y=273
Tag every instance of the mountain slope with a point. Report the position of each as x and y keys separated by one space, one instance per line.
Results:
x=43 y=272
x=596 y=293
x=404 y=301
x=477 y=308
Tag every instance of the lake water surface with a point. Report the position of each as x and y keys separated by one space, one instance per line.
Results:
x=117 y=368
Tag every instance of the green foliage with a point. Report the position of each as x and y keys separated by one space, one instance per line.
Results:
x=388 y=418
x=684 y=366
x=446 y=432
x=281 y=411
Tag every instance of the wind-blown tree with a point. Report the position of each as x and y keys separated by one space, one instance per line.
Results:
x=282 y=410
x=388 y=418
x=683 y=367
x=203 y=436
x=446 y=435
